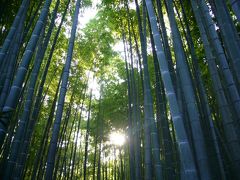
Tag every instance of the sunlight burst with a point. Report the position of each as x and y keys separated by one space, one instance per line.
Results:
x=117 y=138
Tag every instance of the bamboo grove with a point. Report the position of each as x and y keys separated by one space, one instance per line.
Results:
x=163 y=73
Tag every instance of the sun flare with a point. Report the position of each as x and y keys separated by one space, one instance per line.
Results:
x=117 y=138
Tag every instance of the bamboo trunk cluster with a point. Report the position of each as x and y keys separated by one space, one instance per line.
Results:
x=179 y=86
